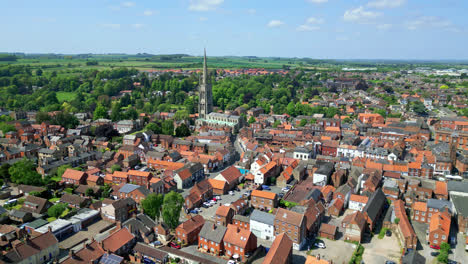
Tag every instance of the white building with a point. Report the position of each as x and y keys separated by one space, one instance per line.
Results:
x=357 y=202
x=302 y=153
x=262 y=225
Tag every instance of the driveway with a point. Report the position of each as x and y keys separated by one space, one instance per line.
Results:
x=338 y=251
x=381 y=250
x=458 y=253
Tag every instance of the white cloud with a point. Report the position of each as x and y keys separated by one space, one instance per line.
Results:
x=149 y=12
x=275 y=23
x=203 y=18
x=111 y=26
x=251 y=11
x=204 y=5
x=431 y=22
x=317 y=1
x=342 y=38
x=128 y=4
x=381 y=4
x=384 y=26
x=138 y=26
x=314 y=20
x=360 y=15
x=306 y=27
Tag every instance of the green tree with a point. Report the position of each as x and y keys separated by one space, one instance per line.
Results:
x=5 y=128
x=56 y=210
x=303 y=122
x=442 y=257
x=152 y=205
x=444 y=246
x=4 y=171
x=89 y=192
x=182 y=131
x=116 y=112
x=24 y=172
x=172 y=206
x=252 y=120
x=100 y=112
x=115 y=167
x=168 y=127
x=156 y=128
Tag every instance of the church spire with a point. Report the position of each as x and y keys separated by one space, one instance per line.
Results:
x=205 y=71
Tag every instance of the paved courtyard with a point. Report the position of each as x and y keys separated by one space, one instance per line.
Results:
x=337 y=250
x=193 y=249
x=381 y=250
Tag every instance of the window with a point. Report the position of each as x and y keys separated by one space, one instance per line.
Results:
x=430 y=209
x=241 y=250
x=435 y=241
x=237 y=248
x=417 y=218
x=423 y=219
x=423 y=213
x=436 y=235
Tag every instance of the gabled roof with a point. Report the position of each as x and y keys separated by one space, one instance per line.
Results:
x=420 y=206
x=440 y=221
x=375 y=204
x=35 y=245
x=117 y=240
x=358 y=198
x=237 y=236
x=217 y=184
x=231 y=174
x=262 y=217
x=88 y=254
x=73 y=174
x=264 y=194
x=290 y=217
x=192 y=223
x=213 y=232
x=279 y=250
x=223 y=211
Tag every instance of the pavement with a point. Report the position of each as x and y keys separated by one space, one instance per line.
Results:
x=458 y=253
x=381 y=250
x=337 y=250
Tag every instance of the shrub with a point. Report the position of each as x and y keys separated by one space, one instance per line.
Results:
x=382 y=232
x=397 y=220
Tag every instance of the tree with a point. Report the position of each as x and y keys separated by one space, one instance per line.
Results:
x=42 y=117
x=182 y=131
x=443 y=257
x=156 y=128
x=252 y=120
x=168 y=127
x=56 y=210
x=397 y=220
x=444 y=246
x=152 y=205
x=4 y=171
x=89 y=192
x=303 y=122
x=5 y=128
x=172 y=205
x=39 y=72
x=100 y=112
x=116 y=112
x=116 y=167
x=24 y=172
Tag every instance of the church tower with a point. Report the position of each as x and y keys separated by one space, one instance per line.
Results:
x=205 y=105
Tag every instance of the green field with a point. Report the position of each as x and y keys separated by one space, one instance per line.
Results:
x=65 y=96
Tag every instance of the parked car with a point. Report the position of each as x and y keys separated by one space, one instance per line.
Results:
x=227 y=204
x=434 y=253
x=206 y=205
x=388 y=233
x=156 y=243
x=389 y=262
x=231 y=262
x=218 y=197
x=319 y=245
x=193 y=211
x=285 y=189
x=451 y=262
x=435 y=246
x=266 y=187
x=231 y=192
x=174 y=245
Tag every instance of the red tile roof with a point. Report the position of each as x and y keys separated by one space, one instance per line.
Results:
x=279 y=250
x=441 y=188
x=264 y=194
x=237 y=236
x=117 y=240
x=231 y=174
x=73 y=174
x=223 y=210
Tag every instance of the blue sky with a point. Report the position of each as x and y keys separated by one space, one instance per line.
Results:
x=325 y=29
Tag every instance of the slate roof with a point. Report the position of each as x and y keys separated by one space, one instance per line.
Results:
x=213 y=232
x=375 y=204
x=460 y=203
x=150 y=251
x=262 y=217
x=440 y=204
x=456 y=186
x=35 y=245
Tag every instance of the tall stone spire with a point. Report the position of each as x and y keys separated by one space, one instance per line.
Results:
x=205 y=105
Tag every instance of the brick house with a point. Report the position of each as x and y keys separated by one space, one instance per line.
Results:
x=95 y=180
x=354 y=226
x=336 y=207
x=139 y=177
x=219 y=187
x=210 y=238
x=441 y=191
x=75 y=177
x=240 y=206
x=239 y=241
x=75 y=201
x=35 y=204
x=327 y=231
x=232 y=176
x=118 y=211
x=120 y=242
x=136 y=192
x=263 y=200
x=241 y=221
x=223 y=215
x=439 y=228
x=293 y=224
x=187 y=232
x=119 y=177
